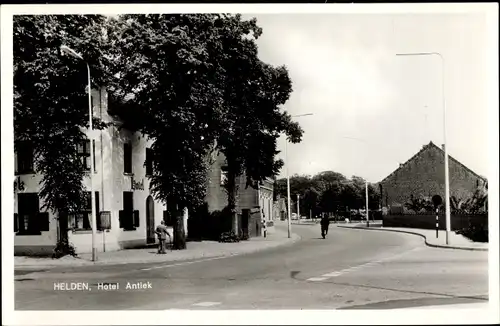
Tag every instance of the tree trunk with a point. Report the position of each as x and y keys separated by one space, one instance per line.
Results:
x=63 y=246
x=63 y=227
x=179 y=241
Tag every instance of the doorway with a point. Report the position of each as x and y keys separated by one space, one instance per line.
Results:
x=150 y=220
x=244 y=222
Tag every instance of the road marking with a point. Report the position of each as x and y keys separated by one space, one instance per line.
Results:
x=206 y=304
x=355 y=268
x=317 y=279
x=183 y=264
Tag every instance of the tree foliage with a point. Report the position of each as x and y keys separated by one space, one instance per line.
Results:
x=251 y=118
x=328 y=192
x=197 y=79
x=51 y=100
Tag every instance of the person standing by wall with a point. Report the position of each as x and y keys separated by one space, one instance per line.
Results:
x=162 y=232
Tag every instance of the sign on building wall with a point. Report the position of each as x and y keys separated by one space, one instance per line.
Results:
x=137 y=185
x=105 y=220
x=18 y=184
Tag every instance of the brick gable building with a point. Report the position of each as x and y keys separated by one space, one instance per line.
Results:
x=423 y=176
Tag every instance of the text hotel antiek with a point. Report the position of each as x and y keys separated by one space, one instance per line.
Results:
x=84 y=286
x=122 y=193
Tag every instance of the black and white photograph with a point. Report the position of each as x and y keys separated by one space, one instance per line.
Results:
x=250 y=164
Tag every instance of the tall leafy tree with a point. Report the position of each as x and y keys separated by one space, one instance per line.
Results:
x=251 y=119
x=51 y=102
x=311 y=202
x=167 y=71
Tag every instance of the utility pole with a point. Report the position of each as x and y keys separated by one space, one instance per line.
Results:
x=298 y=208
x=367 y=214
x=66 y=50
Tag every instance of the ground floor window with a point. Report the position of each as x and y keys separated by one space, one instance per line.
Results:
x=83 y=220
x=128 y=217
x=29 y=220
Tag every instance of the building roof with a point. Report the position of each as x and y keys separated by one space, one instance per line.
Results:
x=425 y=148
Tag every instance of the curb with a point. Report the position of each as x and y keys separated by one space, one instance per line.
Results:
x=417 y=234
x=83 y=262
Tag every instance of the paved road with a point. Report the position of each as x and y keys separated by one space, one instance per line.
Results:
x=351 y=269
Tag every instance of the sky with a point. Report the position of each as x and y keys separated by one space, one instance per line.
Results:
x=372 y=109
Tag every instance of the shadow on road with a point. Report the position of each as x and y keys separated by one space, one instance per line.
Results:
x=409 y=303
x=474 y=299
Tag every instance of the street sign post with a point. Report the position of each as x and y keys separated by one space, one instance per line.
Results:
x=105 y=225
x=436 y=200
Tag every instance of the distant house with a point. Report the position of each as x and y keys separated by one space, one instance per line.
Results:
x=280 y=208
x=423 y=176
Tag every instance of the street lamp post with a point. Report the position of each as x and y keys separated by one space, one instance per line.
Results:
x=446 y=169
x=288 y=180
x=288 y=191
x=298 y=208
x=367 y=215
x=366 y=184
x=73 y=53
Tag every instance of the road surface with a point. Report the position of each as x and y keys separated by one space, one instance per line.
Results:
x=351 y=269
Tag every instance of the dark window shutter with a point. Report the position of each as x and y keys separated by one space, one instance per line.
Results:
x=136 y=218
x=93 y=153
x=149 y=162
x=16 y=222
x=35 y=224
x=43 y=221
x=121 y=215
x=127 y=157
x=97 y=211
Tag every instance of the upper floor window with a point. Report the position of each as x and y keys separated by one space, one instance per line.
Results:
x=223 y=175
x=25 y=158
x=149 y=161
x=84 y=153
x=127 y=158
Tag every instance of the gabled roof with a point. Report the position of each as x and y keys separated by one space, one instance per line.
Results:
x=425 y=148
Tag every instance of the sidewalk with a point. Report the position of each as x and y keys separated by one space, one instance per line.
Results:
x=456 y=241
x=195 y=250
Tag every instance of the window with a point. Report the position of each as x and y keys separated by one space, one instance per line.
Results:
x=29 y=220
x=83 y=219
x=127 y=158
x=168 y=218
x=129 y=219
x=84 y=153
x=25 y=158
x=149 y=161
x=223 y=175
